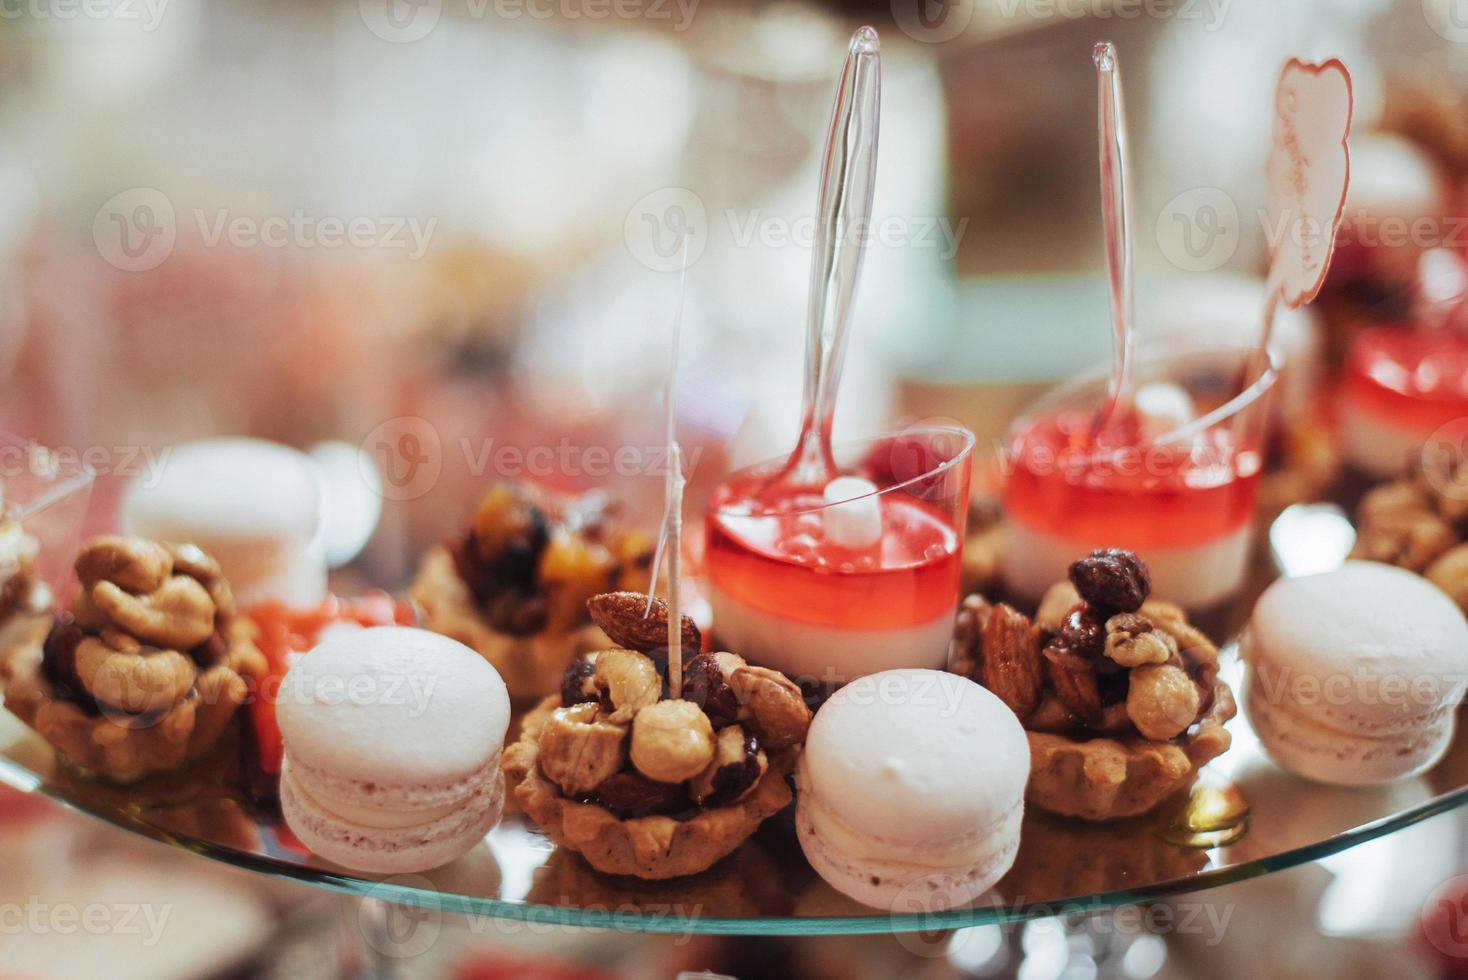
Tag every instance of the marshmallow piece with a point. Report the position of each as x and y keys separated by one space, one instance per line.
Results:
x=1162 y=407
x=853 y=515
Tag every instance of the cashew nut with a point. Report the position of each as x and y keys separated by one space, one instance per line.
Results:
x=134 y=564
x=577 y=750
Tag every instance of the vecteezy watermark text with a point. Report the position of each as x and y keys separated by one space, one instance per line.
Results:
x=40 y=918
x=407 y=21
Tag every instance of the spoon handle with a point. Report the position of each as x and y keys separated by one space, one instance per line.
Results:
x=843 y=214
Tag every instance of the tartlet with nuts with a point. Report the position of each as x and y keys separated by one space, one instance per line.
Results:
x=514 y=585
x=640 y=783
x=145 y=672
x=1119 y=694
x=1420 y=522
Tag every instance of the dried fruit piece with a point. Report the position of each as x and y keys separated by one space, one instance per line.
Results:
x=672 y=741
x=705 y=685
x=1081 y=632
x=1112 y=580
x=1162 y=702
x=772 y=704
x=624 y=616
x=578 y=684
x=629 y=795
x=1132 y=641
x=1011 y=659
x=627 y=682
x=738 y=765
x=578 y=750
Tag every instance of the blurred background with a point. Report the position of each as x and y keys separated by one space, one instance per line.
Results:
x=444 y=229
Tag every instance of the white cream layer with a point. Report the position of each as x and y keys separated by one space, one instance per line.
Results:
x=808 y=651
x=1376 y=445
x=1196 y=576
x=980 y=848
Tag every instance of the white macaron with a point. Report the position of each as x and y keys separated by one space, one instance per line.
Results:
x=256 y=506
x=1355 y=674
x=911 y=790
x=392 y=748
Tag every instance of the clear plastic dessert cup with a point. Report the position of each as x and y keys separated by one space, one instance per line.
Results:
x=827 y=586
x=1177 y=481
x=44 y=495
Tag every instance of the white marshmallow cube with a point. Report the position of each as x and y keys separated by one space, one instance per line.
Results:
x=853 y=515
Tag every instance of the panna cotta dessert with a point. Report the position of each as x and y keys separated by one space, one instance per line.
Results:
x=1174 y=478
x=829 y=584
x=1401 y=384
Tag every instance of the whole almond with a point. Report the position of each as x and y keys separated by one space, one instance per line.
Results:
x=1073 y=677
x=625 y=618
x=1010 y=654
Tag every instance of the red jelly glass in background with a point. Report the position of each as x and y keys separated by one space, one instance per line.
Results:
x=828 y=587
x=1183 y=497
x=1401 y=384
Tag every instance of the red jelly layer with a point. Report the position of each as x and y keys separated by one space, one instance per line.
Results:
x=1065 y=481
x=780 y=562
x=1411 y=377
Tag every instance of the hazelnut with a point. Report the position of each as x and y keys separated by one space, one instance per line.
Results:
x=672 y=741
x=704 y=684
x=1162 y=701
x=1131 y=641
x=628 y=681
x=773 y=705
x=738 y=765
x=578 y=750
x=1112 y=580
x=1450 y=573
x=578 y=683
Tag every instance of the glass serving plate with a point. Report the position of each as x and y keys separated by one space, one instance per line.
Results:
x=766 y=887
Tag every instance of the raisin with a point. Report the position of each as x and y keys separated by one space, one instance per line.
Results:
x=705 y=686
x=1111 y=580
x=1082 y=632
x=630 y=794
x=577 y=686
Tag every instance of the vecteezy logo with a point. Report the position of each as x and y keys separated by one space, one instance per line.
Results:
x=135 y=229
x=397 y=928
x=932 y=21
x=409 y=455
x=662 y=225
x=1447 y=18
x=1198 y=231
x=1445 y=918
x=400 y=21
x=1445 y=460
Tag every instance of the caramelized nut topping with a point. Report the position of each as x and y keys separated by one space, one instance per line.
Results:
x=578 y=750
x=705 y=685
x=1132 y=641
x=1162 y=701
x=578 y=683
x=1010 y=655
x=672 y=741
x=629 y=795
x=627 y=682
x=737 y=767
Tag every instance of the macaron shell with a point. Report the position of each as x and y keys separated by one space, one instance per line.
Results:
x=230 y=488
x=392 y=851
x=1300 y=745
x=393 y=706
x=901 y=888
x=916 y=755
x=1360 y=628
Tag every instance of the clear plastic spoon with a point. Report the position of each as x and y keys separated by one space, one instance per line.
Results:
x=1116 y=219
x=843 y=212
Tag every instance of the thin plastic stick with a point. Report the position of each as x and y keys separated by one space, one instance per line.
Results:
x=1116 y=219
x=670 y=536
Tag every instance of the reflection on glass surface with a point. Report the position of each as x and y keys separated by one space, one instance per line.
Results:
x=766 y=887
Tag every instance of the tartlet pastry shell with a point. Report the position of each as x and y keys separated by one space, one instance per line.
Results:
x=654 y=847
x=1109 y=778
